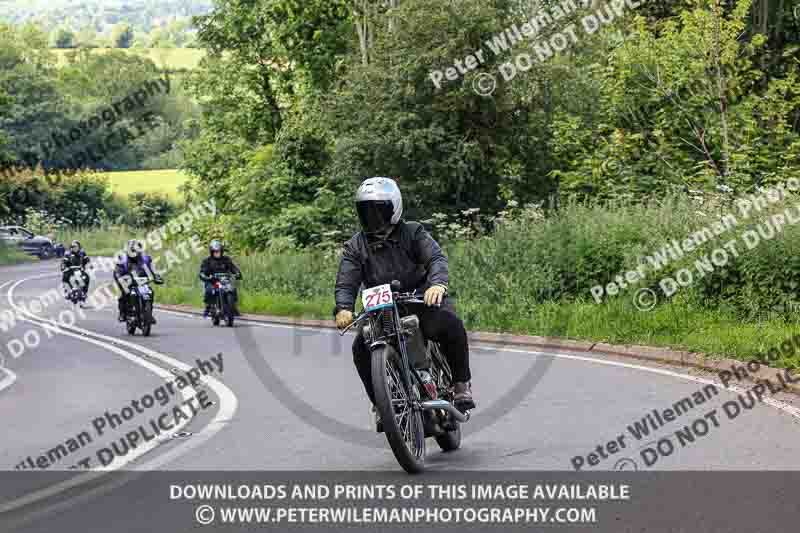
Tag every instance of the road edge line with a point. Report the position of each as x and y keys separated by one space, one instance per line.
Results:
x=683 y=359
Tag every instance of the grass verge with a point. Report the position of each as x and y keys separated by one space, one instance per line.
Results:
x=9 y=255
x=677 y=325
x=254 y=303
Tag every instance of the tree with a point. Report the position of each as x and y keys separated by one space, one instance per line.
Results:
x=37 y=109
x=122 y=35
x=63 y=38
x=5 y=109
x=86 y=37
x=161 y=38
x=684 y=104
x=448 y=146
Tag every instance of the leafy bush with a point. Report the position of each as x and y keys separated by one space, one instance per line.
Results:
x=530 y=259
x=80 y=199
x=148 y=210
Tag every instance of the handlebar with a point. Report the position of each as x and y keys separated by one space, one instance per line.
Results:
x=398 y=297
x=224 y=275
x=145 y=280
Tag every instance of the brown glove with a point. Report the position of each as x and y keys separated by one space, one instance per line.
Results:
x=344 y=318
x=434 y=295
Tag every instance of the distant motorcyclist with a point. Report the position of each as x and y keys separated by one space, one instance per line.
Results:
x=76 y=257
x=389 y=248
x=217 y=263
x=132 y=263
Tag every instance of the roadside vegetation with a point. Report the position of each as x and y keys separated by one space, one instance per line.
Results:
x=9 y=255
x=569 y=174
x=532 y=274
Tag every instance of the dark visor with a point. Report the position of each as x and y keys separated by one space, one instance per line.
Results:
x=374 y=215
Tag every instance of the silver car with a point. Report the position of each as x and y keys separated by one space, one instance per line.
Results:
x=27 y=241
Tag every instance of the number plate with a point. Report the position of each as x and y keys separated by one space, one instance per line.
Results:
x=377 y=297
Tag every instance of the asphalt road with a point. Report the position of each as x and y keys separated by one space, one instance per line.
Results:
x=288 y=398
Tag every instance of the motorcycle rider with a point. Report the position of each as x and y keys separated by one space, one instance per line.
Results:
x=217 y=262
x=132 y=263
x=390 y=248
x=76 y=257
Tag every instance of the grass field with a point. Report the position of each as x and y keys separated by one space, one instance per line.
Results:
x=164 y=181
x=170 y=58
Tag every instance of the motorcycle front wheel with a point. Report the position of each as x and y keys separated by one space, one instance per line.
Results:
x=402 y=422
x=146 y=317
x=227 y=309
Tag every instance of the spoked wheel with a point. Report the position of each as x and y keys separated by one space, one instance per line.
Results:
x=216 y=311
x=227 y=309
x=402 y=423
x=147 y=318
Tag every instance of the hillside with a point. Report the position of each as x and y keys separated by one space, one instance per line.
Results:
x=101 y=14
x=166 y=58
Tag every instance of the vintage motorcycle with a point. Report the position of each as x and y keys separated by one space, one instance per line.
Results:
x=140 y=306
x=410 y=375
x=77 y=292
x=222 y=307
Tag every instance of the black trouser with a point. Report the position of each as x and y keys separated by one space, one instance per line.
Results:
x=439 y=324
x=125 y=297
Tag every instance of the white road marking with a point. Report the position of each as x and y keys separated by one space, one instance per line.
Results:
x=227 y=405
x=783 y=406
x=11 y=377
x=8 y=380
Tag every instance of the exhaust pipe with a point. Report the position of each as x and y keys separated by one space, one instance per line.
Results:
x=447 y=406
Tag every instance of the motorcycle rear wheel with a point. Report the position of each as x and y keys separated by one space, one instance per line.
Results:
x=402 y=423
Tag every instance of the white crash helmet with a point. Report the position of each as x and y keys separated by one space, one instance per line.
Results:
x=379 y=204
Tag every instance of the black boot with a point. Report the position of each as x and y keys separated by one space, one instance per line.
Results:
x=462 y=396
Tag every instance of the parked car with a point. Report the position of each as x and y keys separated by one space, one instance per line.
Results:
x=27 y=241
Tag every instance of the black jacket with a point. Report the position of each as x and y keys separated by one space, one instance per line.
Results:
x=212 y=265
x=75 y=260
x=409 y=254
